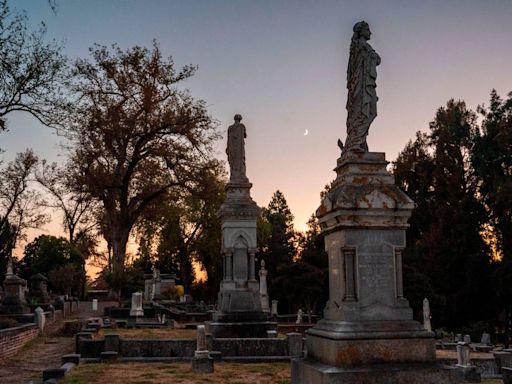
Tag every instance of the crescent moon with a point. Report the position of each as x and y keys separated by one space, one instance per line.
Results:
x=306 y=132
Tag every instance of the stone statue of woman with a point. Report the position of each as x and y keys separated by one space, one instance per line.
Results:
x=236 y=151
x=361 y=84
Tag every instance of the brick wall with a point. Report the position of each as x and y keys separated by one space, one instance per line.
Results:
x=13 y=339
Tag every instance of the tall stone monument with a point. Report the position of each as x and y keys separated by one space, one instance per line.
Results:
x=14 y=301
x=368 y=334
x=239 y=306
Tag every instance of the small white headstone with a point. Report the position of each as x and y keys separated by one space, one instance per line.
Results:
x=39 y=318
x=94 y=304
x=136 y=309
x=426 y=315
x=486 y=339
x=273 y=311
x=463 y=351
x=299 y=317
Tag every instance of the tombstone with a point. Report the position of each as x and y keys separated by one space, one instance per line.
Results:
x=273 y=311
x=51 y=308
x=136 y=309
x=158 y=285
x=463 y=353
x=94 y=304
x=299 y=316
x=469 y=372
x=467 y=339
x=426 y=315
x=486 y=339
x=39 y=288
x=202 y=361
x=14 y=301
x=39 y=318
x=363 y=218
x=263 y=288
x=458 y=337
x=240 y=313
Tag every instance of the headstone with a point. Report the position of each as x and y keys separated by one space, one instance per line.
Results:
x=38 y=288
x=486 y=339
x=426 y=315
x=299 y=317
x=240 y=312
x=202 y=361
x=263 y=288
x=136 y=309
x=294 y=344
x=463 y=352
x=467 y=339
x=458 y=337
x=273 y=312
x=14 y=301
x=272 y=334
x=94 y=304
x=40 y=319
x=363 y=218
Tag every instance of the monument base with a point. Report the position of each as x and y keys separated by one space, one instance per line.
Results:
x=306 y=371
x=342 y=343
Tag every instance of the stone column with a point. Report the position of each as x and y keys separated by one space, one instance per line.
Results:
x=252 y=256
x=202 y=362
x=263 y=288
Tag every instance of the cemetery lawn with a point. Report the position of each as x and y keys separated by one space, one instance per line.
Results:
x=147 y=373
x=150 y=333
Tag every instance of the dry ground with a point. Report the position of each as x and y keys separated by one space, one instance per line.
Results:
x=147 y=373
x=151 y=333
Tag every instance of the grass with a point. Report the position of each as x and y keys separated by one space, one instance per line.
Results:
x=141 y=373
x=151 y=333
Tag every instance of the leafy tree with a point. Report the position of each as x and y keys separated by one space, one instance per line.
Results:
x=32 y=70
x=306 y=280
x=277 y=245
x=445 y=247
x=137 y=137
x=187 y=230
x=492 y=160
x=48 y=255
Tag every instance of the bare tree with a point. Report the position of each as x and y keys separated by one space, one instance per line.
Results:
x=76 y=205
x=20 y=205
x=32 y=70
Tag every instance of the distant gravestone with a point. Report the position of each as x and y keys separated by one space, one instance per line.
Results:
x=426 y=315
x=202 y=361
x=136 y=309
x=463 y=354
x=458 y=337
x=94 y=304
x=299 y=316
x=467 y=339
x=486 y=339
x=40 y=318
x=273 y=311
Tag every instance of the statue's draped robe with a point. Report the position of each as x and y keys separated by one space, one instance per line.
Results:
x=362 y=96
x=236 y=152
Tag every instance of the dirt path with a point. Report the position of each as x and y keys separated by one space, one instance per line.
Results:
x=44 y=351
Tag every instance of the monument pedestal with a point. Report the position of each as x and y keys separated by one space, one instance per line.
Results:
x=14 y=295
x=368 y=334
x=239 y=306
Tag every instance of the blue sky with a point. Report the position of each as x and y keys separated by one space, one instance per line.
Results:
x=282 y=65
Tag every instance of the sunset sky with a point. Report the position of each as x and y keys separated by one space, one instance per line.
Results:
x=282 y=65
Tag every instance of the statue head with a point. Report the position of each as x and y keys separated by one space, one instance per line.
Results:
x=362 y=29
x=238 y=118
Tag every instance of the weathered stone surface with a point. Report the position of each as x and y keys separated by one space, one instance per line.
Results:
x=243 y=328
x=202 y=365
x=136 y=308
x=71 y=358
x=108 y=356
x=112 y=343
x=309 y=372
x=294 y=344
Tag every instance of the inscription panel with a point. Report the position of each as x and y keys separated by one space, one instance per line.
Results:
x=376 y=274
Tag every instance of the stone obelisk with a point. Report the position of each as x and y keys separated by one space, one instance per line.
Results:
x=368 y=334
x=239 y=305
